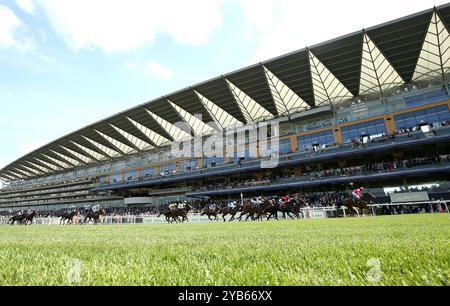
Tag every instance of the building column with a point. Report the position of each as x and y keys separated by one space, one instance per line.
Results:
x=390 y=124
x=294 y=144
x=337 y=136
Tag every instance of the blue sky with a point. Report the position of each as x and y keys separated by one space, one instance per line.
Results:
x=68 y=63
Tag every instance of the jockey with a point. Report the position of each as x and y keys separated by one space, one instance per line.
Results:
x=172 y=206
x=181 y=205
x=257 y=201
x=212 y=206
x=20 y=213
x=357 y=193
x=232 y=205
x=96 y=208
x=284 y=200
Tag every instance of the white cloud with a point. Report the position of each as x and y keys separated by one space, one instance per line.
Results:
x=129 y=64
x=292 y=25
x=12 y=32
x=48 y=58
x=259 y=13
x=26 y=5
x=158 y=70
x=129 y=24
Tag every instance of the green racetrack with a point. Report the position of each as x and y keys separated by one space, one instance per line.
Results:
x=390 y=250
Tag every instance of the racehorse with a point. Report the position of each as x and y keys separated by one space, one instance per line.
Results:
x=211 y=212
x=24 y=217
x=292 y=207
x=96 y=216
x=183 y=213
x=362 y=203
x=69 y=217
x=175 y=214
x=227 y=210
x=170 y=214
x=250 y=210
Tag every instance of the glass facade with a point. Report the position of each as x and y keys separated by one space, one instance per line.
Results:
x=115 y=178
x=188 y=165
x=433 y=115
x=103 y=179
x=168 y=169
x=306 y=142
x=211 y=162
x=148 y=172
x=420 y=99
x=355 y=131
x=131 y=175
x=285 y=146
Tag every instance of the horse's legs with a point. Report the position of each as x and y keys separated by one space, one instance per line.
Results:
x=289 y=214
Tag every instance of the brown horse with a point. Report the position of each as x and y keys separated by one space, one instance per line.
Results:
x=226 y=210
x=353 y=205
x=96 y=216
x=171 y=216
x=69 y=217
x=251 y=210
x=20 y=219
x=211 y=213
x=293 y=207
x=183 y=213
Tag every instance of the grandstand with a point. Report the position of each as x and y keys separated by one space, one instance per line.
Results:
x=369 y=108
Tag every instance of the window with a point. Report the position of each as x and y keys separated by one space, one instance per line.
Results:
x=243 y=152
x=211 y=162
x=167 y=169
x=285 y=146
x=115 y=178
x=285 y=128
x=433 y=115
x=103 y=179
x=188 y=165
x=148 y=172
x=307 y=142
x=355 y=131
x=131 y=175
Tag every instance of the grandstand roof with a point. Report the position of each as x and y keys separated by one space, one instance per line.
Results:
x=367 y=62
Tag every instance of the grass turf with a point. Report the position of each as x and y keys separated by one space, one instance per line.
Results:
x=408 y=250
